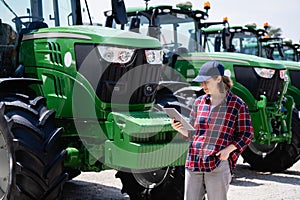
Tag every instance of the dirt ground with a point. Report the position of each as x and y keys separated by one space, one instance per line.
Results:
x=246 y=184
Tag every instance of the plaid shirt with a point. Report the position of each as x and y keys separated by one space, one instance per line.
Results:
x=216 y=128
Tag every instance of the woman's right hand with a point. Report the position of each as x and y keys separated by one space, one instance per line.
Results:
x=176 y=125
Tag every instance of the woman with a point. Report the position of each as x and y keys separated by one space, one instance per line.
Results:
x=223 y=130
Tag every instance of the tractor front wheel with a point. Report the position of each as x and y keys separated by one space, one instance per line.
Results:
x=161 y=184
x=31 y=159
x=275 y=157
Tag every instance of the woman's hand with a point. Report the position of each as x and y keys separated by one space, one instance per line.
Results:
x=224 y=153
x=176 y=125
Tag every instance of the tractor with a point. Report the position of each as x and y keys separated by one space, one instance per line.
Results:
x=77 y=98
x=262 y=83
x=255 y=41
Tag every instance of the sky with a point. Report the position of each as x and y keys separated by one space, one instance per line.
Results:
x=284 y=14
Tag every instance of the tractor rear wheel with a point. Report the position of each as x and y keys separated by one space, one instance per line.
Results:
x=276 y=157
x=161 y=184
x=31 y=159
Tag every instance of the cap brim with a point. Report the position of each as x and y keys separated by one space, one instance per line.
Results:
x=201 y=79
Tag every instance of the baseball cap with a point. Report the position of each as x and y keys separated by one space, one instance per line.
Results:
x=208 y=70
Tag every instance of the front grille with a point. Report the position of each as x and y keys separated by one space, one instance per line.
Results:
x=257 y=85
x=294 y=75
x=133 y=83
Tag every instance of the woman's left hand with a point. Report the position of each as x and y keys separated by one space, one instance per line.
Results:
x=224 y=153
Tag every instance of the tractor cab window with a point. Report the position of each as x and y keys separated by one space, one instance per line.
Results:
x=211 y=43
x=289 y=53
x=69 y=12
x=176 y=32
x=11 y=9
x=240 y=42
x=272 y=48
x=57 y=14
x=245 y=42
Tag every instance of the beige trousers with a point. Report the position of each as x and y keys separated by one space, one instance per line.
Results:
x=215 y=183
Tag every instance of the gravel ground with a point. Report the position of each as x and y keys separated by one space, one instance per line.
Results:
x=246 y=184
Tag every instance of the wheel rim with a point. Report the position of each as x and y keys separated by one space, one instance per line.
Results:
x=151 y=179
x=5 y=161
x=262 y=149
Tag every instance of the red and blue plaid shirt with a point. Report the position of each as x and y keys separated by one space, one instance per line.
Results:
x=216 y=128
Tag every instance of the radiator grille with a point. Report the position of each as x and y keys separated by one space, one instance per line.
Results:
x=133 y=83
x=294 y=75
x=257 y=85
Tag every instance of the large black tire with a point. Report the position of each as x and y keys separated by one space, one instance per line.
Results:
x=169 y=187
x=279 y=157
x=33 y=158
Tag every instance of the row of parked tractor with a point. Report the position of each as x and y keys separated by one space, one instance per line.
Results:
x=79 y=98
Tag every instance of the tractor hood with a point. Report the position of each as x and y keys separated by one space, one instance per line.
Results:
x=233 y=58
x=291 y=64
x=101 y=35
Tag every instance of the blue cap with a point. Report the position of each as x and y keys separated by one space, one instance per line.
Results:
x=208 y=70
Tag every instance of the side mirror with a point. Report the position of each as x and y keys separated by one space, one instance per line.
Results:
x=280 y=50
x=119 y=11
x=226 y=38
x=217 y=43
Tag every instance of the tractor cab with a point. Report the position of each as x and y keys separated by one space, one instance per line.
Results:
x=175 y=27
x=239 y=39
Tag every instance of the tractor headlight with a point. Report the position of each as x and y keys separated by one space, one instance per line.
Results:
x=116 y=54
x=154 y=56
x=265 y=72
x=283 y=75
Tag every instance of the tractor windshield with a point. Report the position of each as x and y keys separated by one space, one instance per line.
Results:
x=9 y=9
x=245 y=42
x=272 y=48
x=176 y=31
x=53 y=13
x=242 y=42
x=28 y=11
x=288 y=52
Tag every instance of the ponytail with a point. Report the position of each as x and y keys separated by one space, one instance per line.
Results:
x=227 y=82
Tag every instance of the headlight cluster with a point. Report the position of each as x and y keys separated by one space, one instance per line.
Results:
x=154 y=56
x=124 y=55
x=283 y=75
x=116 y=54
x=265 y=72
x=269 y=73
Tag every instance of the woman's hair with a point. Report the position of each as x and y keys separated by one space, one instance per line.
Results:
x=227 y=82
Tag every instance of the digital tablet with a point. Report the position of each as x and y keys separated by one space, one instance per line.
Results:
x=173 y=113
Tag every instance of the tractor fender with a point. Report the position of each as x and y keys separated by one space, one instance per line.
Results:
x=18 y=85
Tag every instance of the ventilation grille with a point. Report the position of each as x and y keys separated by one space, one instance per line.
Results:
x=55 y=53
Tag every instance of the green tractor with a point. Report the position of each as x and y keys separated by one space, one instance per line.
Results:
x=260 y=82
x=81 y=98
x=286 y=53
x=251 y=40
